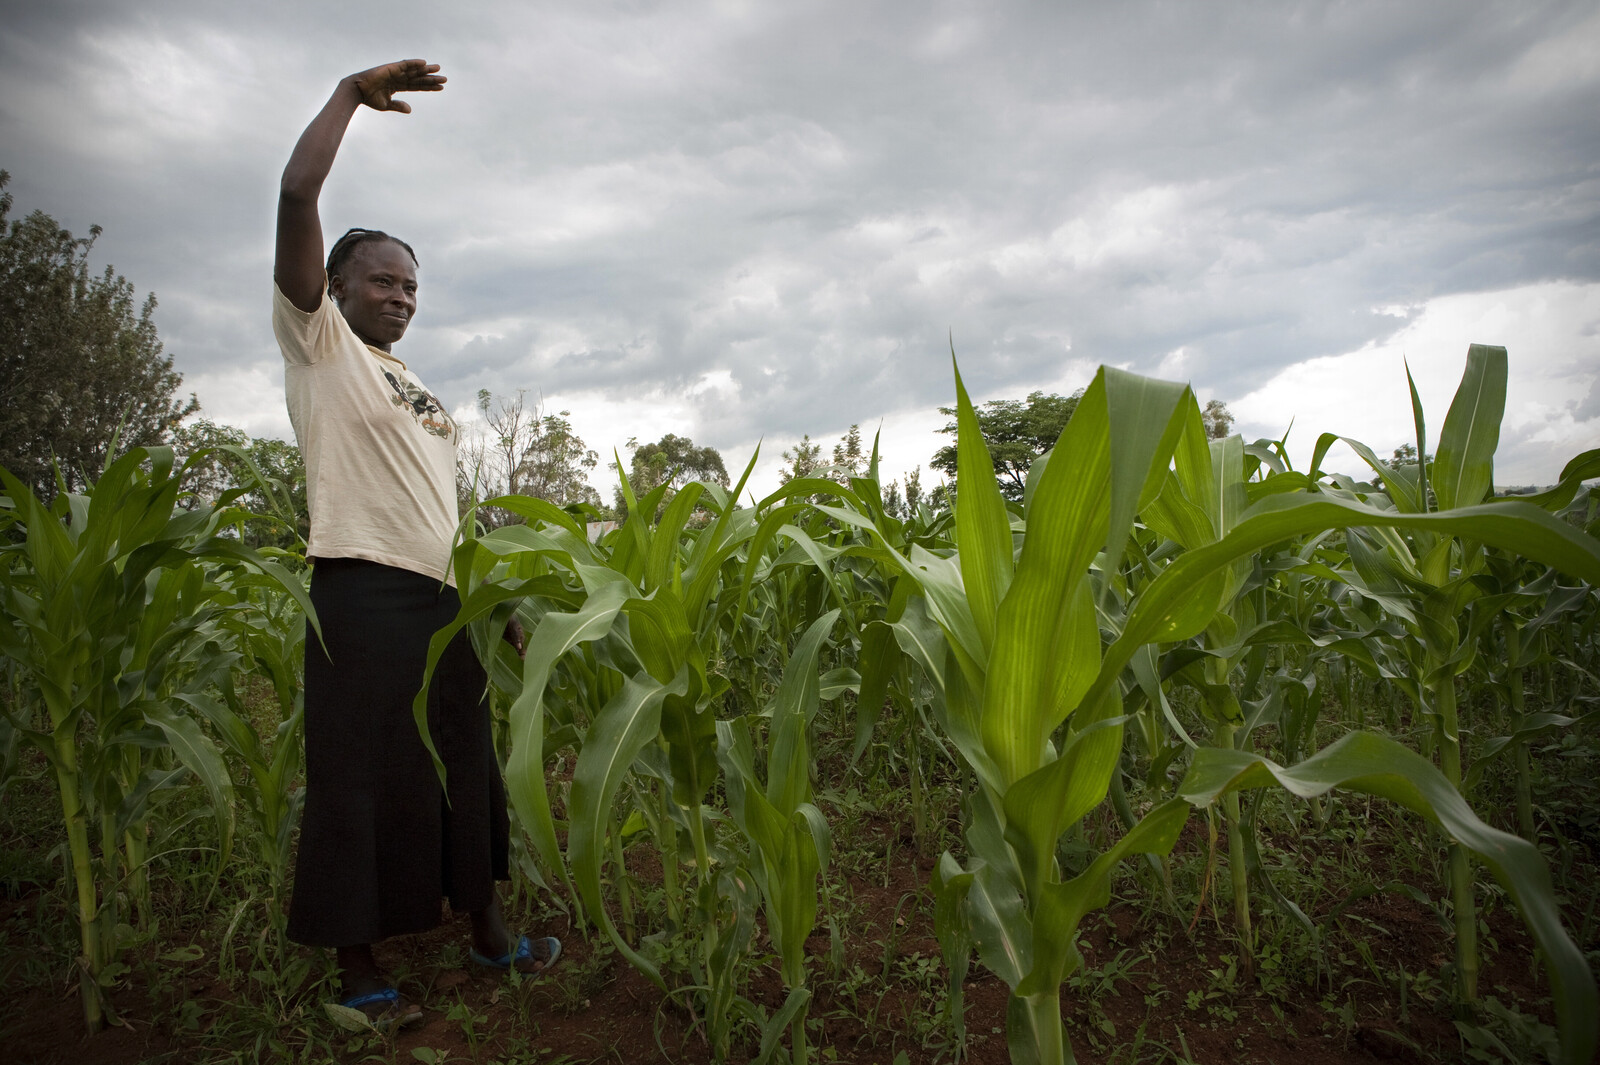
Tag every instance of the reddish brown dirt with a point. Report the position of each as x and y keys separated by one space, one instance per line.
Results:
x=1170 y=1007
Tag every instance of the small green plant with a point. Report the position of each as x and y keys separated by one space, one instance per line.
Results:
x=470 y=1020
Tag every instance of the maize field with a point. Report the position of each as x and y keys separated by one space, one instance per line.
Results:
x=1191 y=757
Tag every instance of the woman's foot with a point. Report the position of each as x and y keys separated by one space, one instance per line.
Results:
x=363 y=986
x=494 y=946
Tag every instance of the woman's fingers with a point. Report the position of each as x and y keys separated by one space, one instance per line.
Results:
x=379 y=84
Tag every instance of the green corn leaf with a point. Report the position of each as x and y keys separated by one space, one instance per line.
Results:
x=1041 y=805
x=1173 y=516
x=983 y=527
x=1422 y=441
x=535 y=510
x=1067 y=527
x=1046 y=646
x=659 y=633
x=1145 y=420
x=1403 y=487
x=704 y=570
x=789 y=758
x=546 y=645
x=689 y=728
x=1062 y=906
x=661 y=565
x=1525 y=727
x=618 y=733
x=820 y=556
x=940 y=580
x=1227 y=470
x=815 y=826
x=1463 y=471
x=1377 y=765
x=960 y=714
x=757 y=818
x=880 y=656
x=136 y=803
x=195 y=750
x=812 y=486
x=1001 y=929
x=1194 y=470
x=773 y=1030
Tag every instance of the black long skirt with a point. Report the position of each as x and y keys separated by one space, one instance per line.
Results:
x=379 y=845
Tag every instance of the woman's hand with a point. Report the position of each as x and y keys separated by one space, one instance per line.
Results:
x=515 y=636
x=378 y=85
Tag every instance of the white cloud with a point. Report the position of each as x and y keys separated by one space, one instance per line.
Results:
x=1551 y=333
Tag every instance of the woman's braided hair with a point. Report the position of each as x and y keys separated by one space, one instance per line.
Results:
x=346 y=245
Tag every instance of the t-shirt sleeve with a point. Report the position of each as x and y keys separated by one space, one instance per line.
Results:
x=304 y=338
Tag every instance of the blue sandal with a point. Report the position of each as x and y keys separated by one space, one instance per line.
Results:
x=539 y=953
x=391 y=1016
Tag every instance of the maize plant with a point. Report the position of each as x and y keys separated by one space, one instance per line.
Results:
x=628 y=676
x=120 y=606
x=1427 y=581
x=788 y=835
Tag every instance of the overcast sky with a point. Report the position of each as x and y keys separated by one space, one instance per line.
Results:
x=743 y=221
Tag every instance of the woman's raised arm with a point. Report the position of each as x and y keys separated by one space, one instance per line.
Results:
x=297 y=265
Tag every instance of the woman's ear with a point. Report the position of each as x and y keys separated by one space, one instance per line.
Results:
x=336 y=288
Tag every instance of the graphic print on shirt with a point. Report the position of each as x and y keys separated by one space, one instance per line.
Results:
x=423 y=405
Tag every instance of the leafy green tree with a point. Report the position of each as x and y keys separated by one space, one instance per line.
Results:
x=1405 y=455
x=523 y=450
x=803 y=460
x=80 y=362
x=673 y=461
x=848 y=458
x=1217 y=418
x=1017 y=432
x=900 y=505
x=205 y=479
x=281 y=517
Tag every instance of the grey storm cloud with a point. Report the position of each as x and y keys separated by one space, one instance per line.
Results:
x=813 y=199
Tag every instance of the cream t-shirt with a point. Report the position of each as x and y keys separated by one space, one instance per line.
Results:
x=379 y=448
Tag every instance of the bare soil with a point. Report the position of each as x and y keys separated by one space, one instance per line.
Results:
x=1175 y=999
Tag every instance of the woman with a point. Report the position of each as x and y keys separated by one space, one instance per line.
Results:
x=380 y=844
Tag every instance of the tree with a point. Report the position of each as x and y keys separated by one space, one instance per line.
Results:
x=1217 y=418
x=79 y=365
x=281 y=516
x=674 y=461
x=848 y=457
x=903 y=506
x=523 y=450
x=217 y=472
x=1405 y=455
x=1017 y=432
x=803 y=460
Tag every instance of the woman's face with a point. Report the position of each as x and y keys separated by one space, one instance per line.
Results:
x=376 y=291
